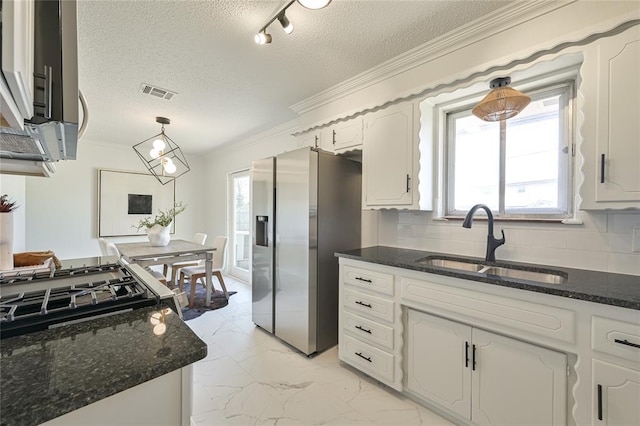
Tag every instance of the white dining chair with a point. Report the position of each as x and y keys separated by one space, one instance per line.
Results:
x=103 y=246
x=196 y=273
x=198 y=238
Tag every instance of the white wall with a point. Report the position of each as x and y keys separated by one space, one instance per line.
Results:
x=15 y=188
x=62 y=211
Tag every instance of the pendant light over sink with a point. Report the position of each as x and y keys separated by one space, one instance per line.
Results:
x=502 y=102
x=162 y=156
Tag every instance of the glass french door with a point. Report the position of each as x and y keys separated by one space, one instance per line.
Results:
x=239 y=224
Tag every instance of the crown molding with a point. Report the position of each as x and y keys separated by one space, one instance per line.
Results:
x=504 y=18
x=288 y=128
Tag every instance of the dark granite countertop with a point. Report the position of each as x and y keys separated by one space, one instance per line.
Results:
x=48 y=373
x=593 y=286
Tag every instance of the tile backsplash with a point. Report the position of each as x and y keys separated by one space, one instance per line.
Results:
x=603 y=242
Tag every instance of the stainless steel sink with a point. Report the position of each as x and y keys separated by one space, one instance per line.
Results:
x=542 y=277
x=451 y=264
x=546 y=277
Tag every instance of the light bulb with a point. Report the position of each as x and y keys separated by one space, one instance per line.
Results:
x=155 y=318
x=159 y=144
x=314 y=4
x=154 y=153
x=159 y=329
x=170 y=168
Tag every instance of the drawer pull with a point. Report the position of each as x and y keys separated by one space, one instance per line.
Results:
x=363 y=279
x=363 y=329
x=627 y=343
x=363 y=357
x=599 y=402
x=366 y=305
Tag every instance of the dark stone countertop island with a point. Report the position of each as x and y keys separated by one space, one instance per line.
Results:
x=48 y=373
x=592 y=286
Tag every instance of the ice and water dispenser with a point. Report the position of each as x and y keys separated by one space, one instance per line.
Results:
x=262 y=231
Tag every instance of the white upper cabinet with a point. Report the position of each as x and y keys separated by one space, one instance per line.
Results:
x=343 y=136
x=389 y=154
x=17 y=60
x=611 y=129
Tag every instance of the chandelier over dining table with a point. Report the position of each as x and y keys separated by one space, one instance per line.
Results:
x=162 y=156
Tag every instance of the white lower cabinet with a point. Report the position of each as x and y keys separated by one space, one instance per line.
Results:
x=616 y=394
x=484 y=377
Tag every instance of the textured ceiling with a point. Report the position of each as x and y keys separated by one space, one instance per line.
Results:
x=229 y=87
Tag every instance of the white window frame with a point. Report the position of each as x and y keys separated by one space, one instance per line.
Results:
x=536 y=88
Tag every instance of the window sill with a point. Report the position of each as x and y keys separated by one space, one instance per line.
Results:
x=562 y=221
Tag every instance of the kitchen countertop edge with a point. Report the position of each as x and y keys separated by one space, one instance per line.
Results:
x=593 y=286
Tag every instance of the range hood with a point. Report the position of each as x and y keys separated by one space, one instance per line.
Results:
x=52 y=133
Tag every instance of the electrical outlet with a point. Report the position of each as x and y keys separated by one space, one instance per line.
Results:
x=635 y=241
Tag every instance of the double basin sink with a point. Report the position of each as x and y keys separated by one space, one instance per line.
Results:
x=503 y=271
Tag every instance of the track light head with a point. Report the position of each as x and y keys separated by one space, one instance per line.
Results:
x=262 y=37
x=287 y=26
x=314 y=4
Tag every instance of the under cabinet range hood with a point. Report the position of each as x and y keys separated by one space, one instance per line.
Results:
x=52 y=133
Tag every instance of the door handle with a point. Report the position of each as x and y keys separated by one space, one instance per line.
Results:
x=366 y=305
x=363 y=357
x=627 y=343
x=599 y=402
x=473 y=363
x=408 y=183
x=363 y=329
x=466 y=354
x=363 y=279
x=602 y=162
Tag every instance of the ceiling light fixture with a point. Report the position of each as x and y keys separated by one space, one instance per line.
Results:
x=314 y=4
x=162 y=156
x=262 y=37
x=502 y=102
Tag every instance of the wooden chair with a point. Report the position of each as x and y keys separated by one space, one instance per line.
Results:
x=196 y=273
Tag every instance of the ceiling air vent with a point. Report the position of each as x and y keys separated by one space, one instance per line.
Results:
x=158 y=92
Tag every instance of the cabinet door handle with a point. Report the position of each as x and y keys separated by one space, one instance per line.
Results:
x=363 y=357
x=315 y=140
x=599 y=402
x=602 y=162
x=408 y=183
x=466 y=354
x=363 y=279
x=363 y=329
x=473 y=364
x=366 y=305
x=627 y=343
x=334 y=137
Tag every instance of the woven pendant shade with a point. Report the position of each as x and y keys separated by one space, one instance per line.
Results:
x=502 y=102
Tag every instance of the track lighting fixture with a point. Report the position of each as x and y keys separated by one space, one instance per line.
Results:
x=262 y=37
x=287 y=26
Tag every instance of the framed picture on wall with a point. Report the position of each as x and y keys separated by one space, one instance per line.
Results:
x=124 y=198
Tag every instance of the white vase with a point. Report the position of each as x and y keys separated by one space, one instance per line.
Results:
x=6 y=241
x=159 y=235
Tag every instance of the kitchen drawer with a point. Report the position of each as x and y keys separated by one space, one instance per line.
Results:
x=368 y=305
x=369 y=330
x=370 y=280
x=613 y=337
x=373 y=361
x=548 y=321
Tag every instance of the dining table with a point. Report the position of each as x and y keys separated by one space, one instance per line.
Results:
x=144 y=254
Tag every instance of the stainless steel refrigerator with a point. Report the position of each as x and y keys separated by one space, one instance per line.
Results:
x=306 y=205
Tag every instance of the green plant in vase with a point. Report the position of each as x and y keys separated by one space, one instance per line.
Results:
x=158 y=227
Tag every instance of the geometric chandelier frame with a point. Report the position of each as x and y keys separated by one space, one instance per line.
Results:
x=162 y=156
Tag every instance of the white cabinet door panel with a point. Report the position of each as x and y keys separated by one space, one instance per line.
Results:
x=517 y=383
x=438 y=369
x=616 y=395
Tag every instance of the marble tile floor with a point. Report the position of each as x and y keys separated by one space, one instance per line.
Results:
x=251 y=378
